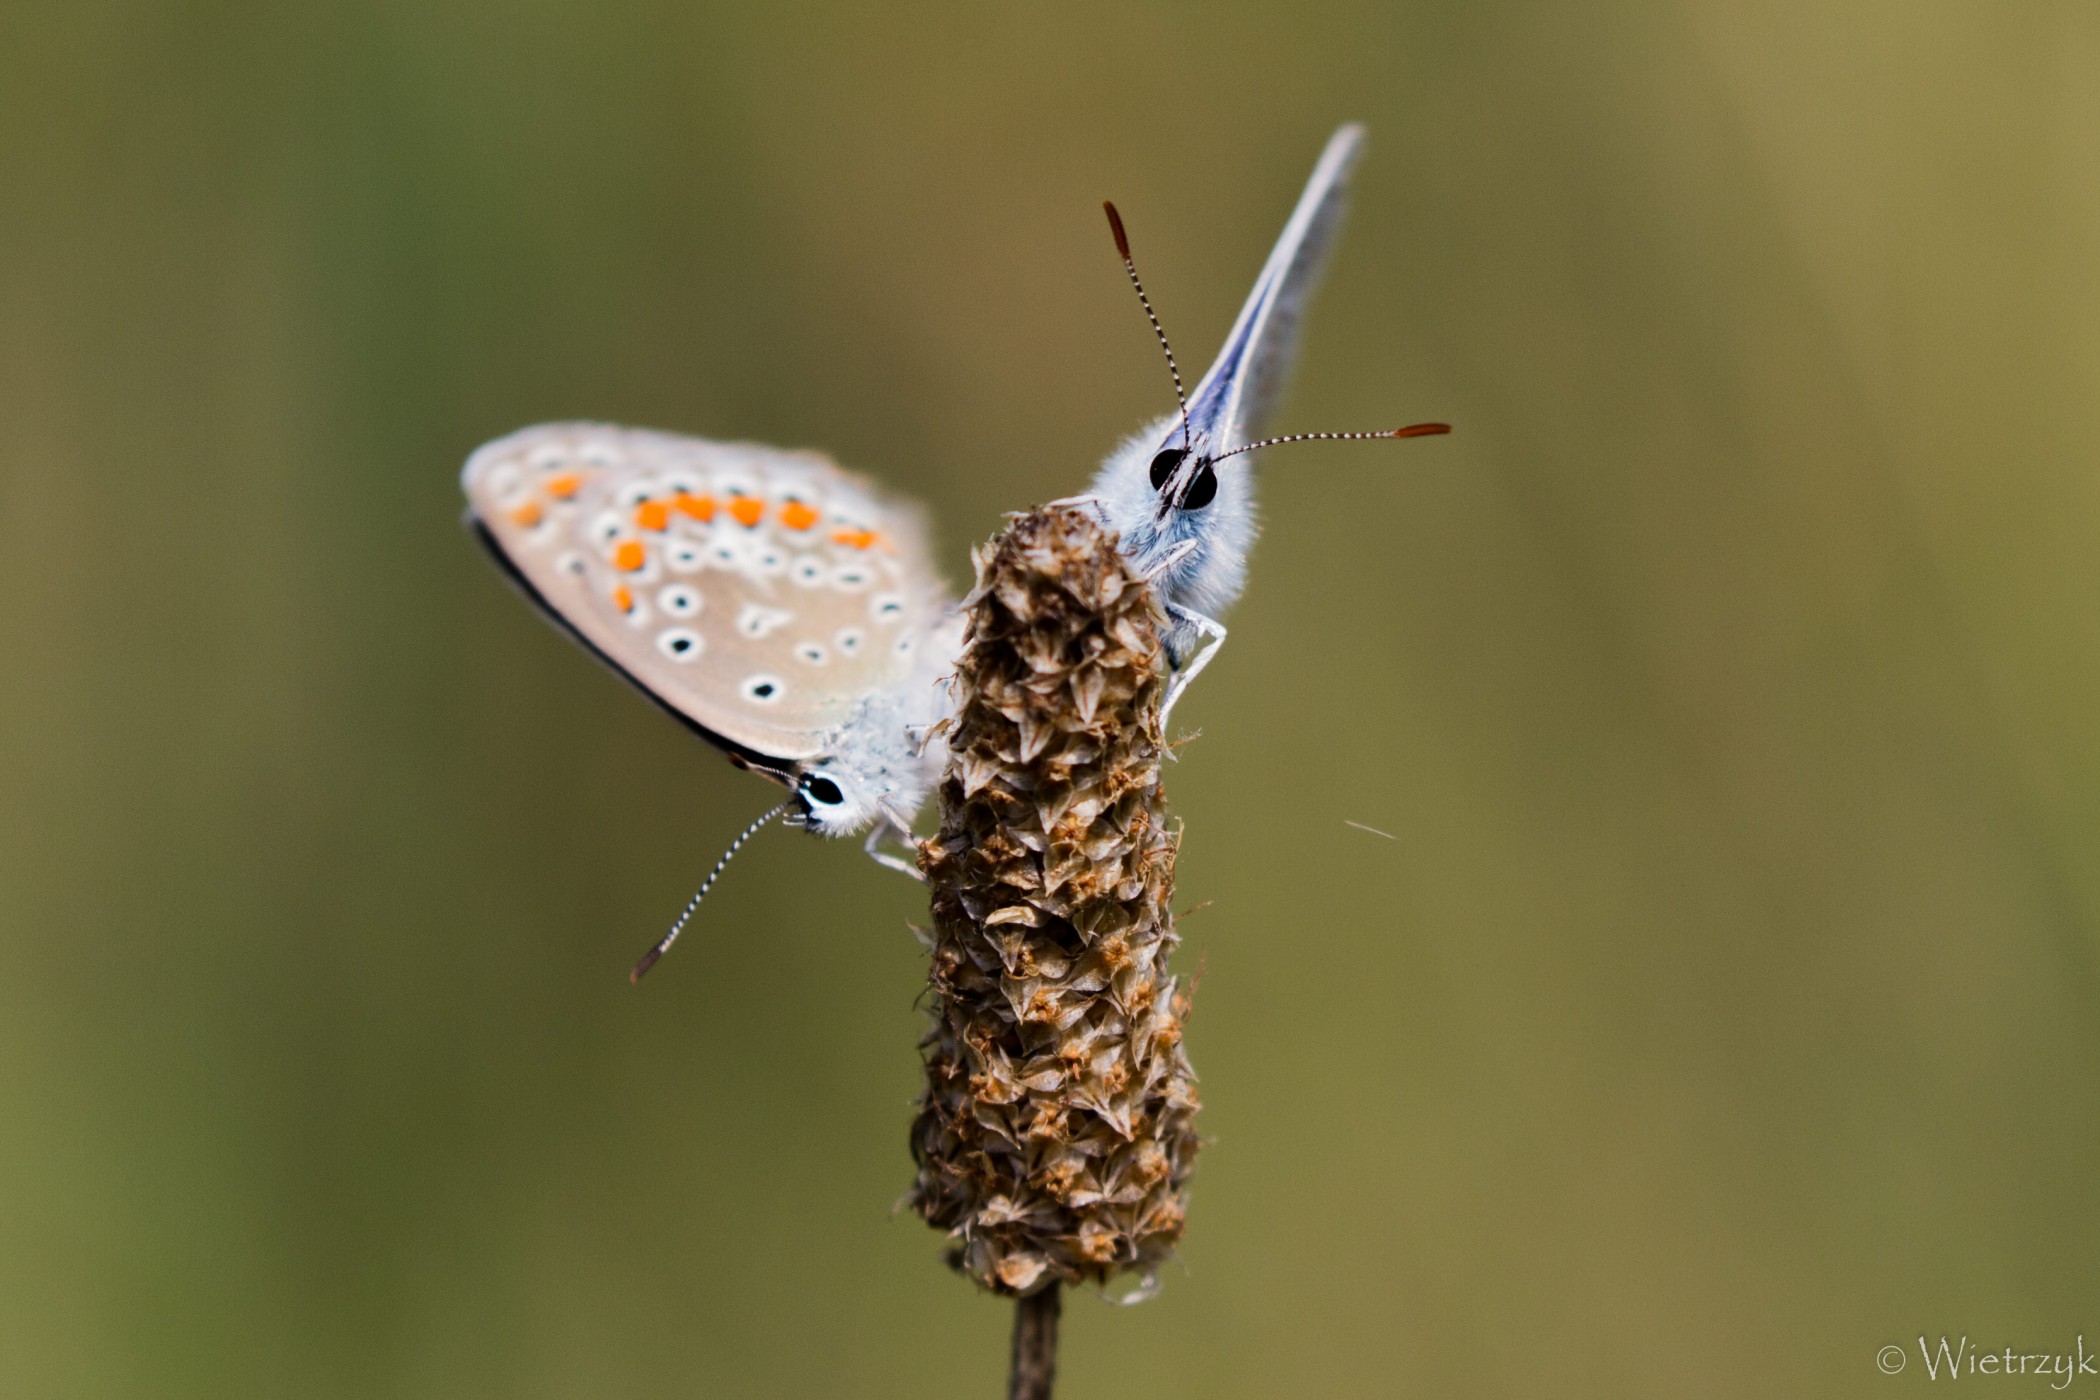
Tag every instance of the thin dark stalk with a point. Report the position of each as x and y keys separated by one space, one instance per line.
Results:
x=1035 y=1345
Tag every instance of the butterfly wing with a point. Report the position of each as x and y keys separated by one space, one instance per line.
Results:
x=1233 y=399
x=758 y=594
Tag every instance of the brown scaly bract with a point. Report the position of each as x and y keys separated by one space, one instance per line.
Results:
x=1056 y=1134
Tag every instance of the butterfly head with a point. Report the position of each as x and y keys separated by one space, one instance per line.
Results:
x=1182 y=480
x=1184 y=517
x=835 y=800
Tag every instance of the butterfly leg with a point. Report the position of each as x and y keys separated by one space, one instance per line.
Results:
x=1213 y=633
x=1168 y=560
x=885 y=825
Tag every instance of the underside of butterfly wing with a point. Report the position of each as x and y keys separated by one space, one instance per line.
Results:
x=757 y=593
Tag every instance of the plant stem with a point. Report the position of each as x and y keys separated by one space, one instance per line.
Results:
x=1035 y=1346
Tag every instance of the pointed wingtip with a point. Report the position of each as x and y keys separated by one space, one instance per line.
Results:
x=1347 y=143
x=1115 y=224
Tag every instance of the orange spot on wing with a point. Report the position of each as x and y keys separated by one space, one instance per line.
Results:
x=855 y=539
x=797 y=516
x=629 y=556
x=528 y=515
x=698 y=507
x=652 y=515
x=563 y=485
x=748 y=510
x=622 y=598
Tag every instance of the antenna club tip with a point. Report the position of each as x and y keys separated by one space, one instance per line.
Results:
x=1422 y=430
x=1115 y=224
x=634 y=977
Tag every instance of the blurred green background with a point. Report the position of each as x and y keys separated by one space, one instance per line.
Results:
x=1727 y=1008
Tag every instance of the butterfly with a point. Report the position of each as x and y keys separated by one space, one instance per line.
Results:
x=1184 y=518
x=784 y=609
x=789 y=612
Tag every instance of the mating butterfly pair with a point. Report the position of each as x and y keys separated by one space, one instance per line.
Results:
x=790 y=613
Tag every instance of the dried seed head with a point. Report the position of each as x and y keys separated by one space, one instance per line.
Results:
x=1055 y=1136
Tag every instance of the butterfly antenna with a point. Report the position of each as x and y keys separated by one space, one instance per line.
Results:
x=649 y=959
x=1115 y=224
x=1411 y=430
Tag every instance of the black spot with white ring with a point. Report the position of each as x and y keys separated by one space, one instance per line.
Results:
x=680 y=643
x=679 y=600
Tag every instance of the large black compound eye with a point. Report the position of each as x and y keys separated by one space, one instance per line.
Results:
x=1163 y=466
x=822 y=790
x=1203 y=488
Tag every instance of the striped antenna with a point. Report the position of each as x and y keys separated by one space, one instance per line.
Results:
x=649 y=959
x=1411 y=430
x=1115 y=224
